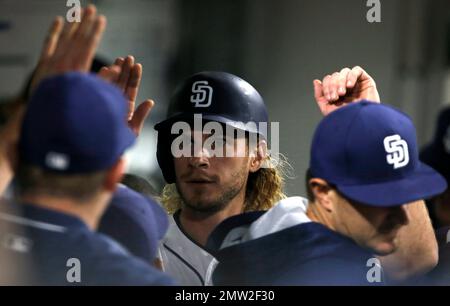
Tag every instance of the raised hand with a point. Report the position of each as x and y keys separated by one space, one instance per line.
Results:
x=127 y=75
x=344 y=87
x=70 y=46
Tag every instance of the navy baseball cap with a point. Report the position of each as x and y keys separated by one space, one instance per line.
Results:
x=75 y=123
x=437 y=153
x=136 y=222
x=368 y=151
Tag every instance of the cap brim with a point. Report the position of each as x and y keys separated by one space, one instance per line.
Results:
x=424 y=183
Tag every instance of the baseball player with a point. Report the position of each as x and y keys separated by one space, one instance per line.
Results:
x=417 y=237
x=205 y=189
x=70 y=149
x=365 y=172
x=194 y=264
x=71 y=47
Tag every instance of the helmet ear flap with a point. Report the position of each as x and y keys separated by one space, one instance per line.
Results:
x=164 y=156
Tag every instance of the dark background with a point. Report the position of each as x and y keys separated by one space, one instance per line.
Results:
x=279 y=46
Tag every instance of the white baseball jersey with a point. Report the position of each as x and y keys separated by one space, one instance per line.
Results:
x=191 y=265
x=184 y=259
x=286 y=213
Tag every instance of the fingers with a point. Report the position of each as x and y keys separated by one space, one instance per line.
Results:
x=337 y=85
x=52 y=38
x=92 y=43
x=128 y=80
x=132 y=87
x=126 y=71
x=342 y=82
x=66 y=35
x=86 y=23
x=344 y=87
x=137 y=122
x=110 y=74
x=321 y=101
x=135 y=77
x=119 y=61
x=333 y=87
x=71 y=46
x=326 y=87
x=353 y=76
x=86 y=40
x=318 y=90
x=79 y=42
x=82 y=33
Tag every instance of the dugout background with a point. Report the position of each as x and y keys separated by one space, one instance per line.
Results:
x=279 y=46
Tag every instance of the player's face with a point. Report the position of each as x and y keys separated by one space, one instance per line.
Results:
x=374 y=228
x=208 y=184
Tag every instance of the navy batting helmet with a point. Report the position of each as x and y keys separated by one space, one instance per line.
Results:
x=217 y=96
